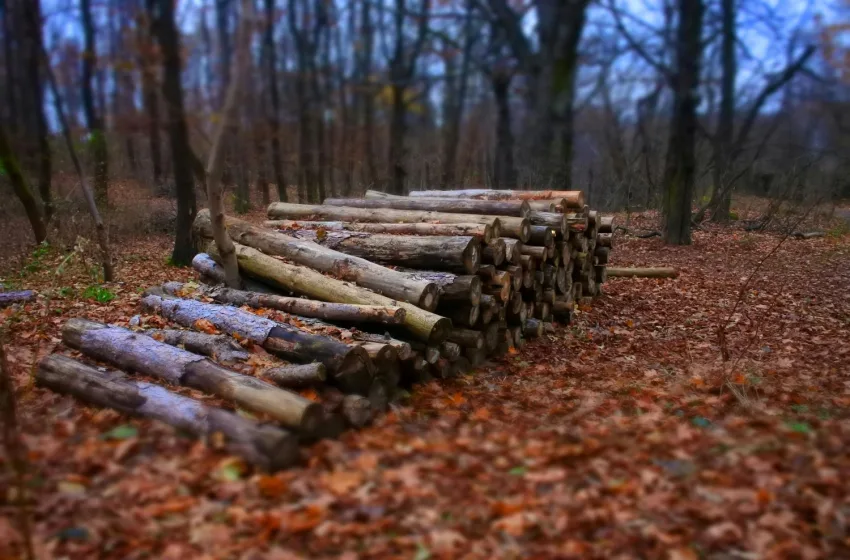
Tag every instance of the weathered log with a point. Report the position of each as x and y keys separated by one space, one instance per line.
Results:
x=548 y=205
x=450 y=351
x=554 y=220
x=601 y=254
x=454 y=206
x=426 y=252
x=491 y=337
x=483 y=232
x=297 y=376
x=349 y=366
x=212 y=273
x=513 y=250
x=549 y=295
x=265 y=446
x=461 y=315
x=533 y=328
x=385 y=358
x=544 y=236
x=516 y=276
x=606 y=224
x=442 y=369
x=516 y=336
x=574 y=199
x=543 y=311
x=10 y=298
x=561 y=280
x=494 y=252
x=452 y=287
x=347 y=267
x=605 y=240
x=654 y=272
x=538 y=253
x=344 y=312
x=143 y=354
x=515 y=302
x=220 y=348
x=356 y=410
x=430 y=353
x=423 y=324
x=467 y=338
x=486 y=272
x=600 y=273
x=516 y=228
x=476 y=356
x=403 y=348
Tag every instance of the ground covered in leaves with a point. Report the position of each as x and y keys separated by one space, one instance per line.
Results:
x=626 y=434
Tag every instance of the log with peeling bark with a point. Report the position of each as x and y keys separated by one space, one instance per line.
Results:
x=452 y=288
x=287 y=211
x=403 y=349
x=484 y=232
x=533 y=328
x=143 y=354
x=516 y=208
x=343 y=312
x=543 y=236
x=606 y=224
x=653 y=272
x=467 y=338
x=422 y=324
x=350 y=367
x=267 y=447
x=11 y=298
x=297 y=376
x=347 y=267
x=494 y=252
x=220 y=348
x=426 y=252
x=212 y=273
x=574 y=199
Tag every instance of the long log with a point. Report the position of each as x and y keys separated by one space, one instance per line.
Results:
x=220 y=348
x=345 y=312
x=574 y=199
x=347 y=267
x=484 y=232
x=349 y=366
x=265 y=446
x=403 y=348
x=423 y=324
x=10 y=298
x=517 y=208
x=287 y=211
x=143 y=354
x=212 y=273
x=655 y=272
x=297 y=376
x=548 y=205
x=427 y=252
x=452 y=287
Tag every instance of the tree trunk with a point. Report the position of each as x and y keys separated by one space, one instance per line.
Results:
x=94 y=121
x=680 y=165
x=349 y=366
x=296 y=211
x=140 y=353
x=361 y=271
x=344 y=312
x=150 y=99
x=504 y=174
x=211 y=273
x=274 y=97
x=483 y=232
x=181 y=153
x=19 y=185
x=423 y=324
x=574 y=199
x=265 y=446
x=726 y=119
x=517 y=208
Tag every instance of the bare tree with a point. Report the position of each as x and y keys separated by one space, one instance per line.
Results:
x=94 y=120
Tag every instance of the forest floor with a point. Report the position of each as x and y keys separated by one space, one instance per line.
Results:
x=624 y=435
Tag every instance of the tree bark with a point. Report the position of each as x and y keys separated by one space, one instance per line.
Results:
x=452 y=287
x=484 y=232
x=220 y=348
x=212 y=273
x=265 y=446
x=282 y=211
x=575 y=199
x=297 y=376
x=347 y=267
x=467 y=338
x=94 y=121
x=21 y=189
x=145 y=355
x=274 y=97
x=504 y=174
x=518 y=208
x=11 y=298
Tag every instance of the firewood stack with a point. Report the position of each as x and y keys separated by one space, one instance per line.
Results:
x=350 y=300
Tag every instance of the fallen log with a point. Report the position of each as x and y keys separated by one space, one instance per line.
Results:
x=654 y=272
x=347 y=267
x=517 y=208
x=212 y=273
x=143 y=354
x=345 y=312
x=297 y=376
x=483 y=232
x=403 y=348
x=349 y=366
x=423 y=324
x=795 y=235
x=220 y=348
x=574 y=199
x=548 y=205
x=452 y=287
x=265 y=446
x=11 y=298
x=287 y=211
x=467 y=338
x=426 y=252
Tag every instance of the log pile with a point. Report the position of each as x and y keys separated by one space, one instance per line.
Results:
x=347 y=302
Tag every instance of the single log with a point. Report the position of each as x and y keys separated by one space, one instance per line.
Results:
x=533 y=328
x=488 y=308
x=543 y=236
x=502 y=293
x=528 y=275
x=513 y=250
x=605 y=240
x=602 y=254
x=494 y=252
x=455 y=206
x=461 y=315
x=430 y=353
x=606 y=224
x=385 y=358
x=561 y=280
x=515 y=303
x=516 y=276
x=483 y=232
x=491 y=337
x=10 y=298
x=450 y=351
x=654 y=272
x=574 y=199
x=517 y=317
x=423 y=324
x=220 y=348
x=549 y=295
x=345 y=312
x=486 y=315
x=347 y=267
x=265 y=446
x=425 y=252
x=467 y=338
x=442 y=369
x=516 y=228
x=403 y=349
x=486 y=272
x=452 y=287
x=143 y=354
x=297 y=376
x=543 y=311
x=286 y=211
x=500 y=278
x=538 y=253
x=548 y=205
x=356 y=410
x=212 y=273
x=554 y=220
x=349 y=366
x=516 y=336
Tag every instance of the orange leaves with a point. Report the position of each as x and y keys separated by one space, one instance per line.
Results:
x=457 y=399
x=341 y=483
x=170 y=507
x=481 y=414
x=303 y=520
x=206 y=326
x=271 y=486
